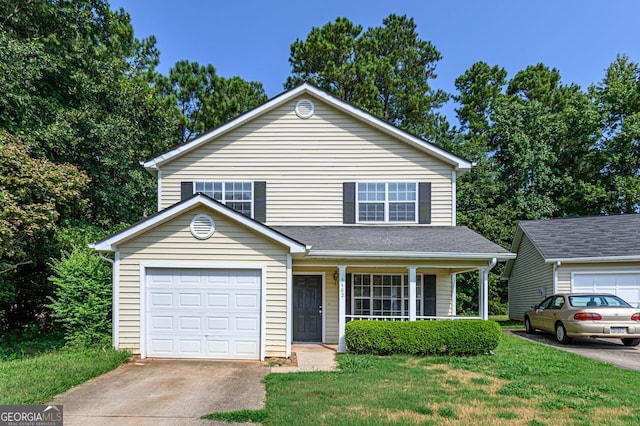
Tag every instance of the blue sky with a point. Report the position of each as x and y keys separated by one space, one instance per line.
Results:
x=251 y=39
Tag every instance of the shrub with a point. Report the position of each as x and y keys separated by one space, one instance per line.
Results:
x=461 y=337
x=82 y=302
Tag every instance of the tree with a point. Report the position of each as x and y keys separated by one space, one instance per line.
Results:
x=618 y=101
x=35 y=196
x=205 y=100
x=385 y=70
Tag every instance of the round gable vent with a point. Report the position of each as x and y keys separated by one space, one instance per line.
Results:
x=304 y=108
x=202 y=226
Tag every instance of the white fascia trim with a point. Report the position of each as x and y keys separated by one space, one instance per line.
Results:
x=406 y=255
x=116 y=302
x=109 y=244
x=594 y=259
x=159 y=183
x=459 y=164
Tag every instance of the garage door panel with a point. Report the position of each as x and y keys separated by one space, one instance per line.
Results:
x=625 y=285
x=203 y=314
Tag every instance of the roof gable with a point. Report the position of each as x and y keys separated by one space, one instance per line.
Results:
x=110 y=243
x=591 y=238
x=459 y=164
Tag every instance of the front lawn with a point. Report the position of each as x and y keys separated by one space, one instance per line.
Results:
x=39 y=378
x=523 y=383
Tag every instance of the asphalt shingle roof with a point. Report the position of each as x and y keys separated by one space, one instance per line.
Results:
x=593 y=236
x=423 y=239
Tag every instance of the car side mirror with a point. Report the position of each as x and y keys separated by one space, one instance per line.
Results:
x=535 y=306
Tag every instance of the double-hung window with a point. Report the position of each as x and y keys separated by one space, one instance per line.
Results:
x=236 y=195
x=384 y=295
x=387 y=202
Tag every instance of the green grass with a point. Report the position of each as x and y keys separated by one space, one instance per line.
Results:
x=523 y=383
x=17 y=344
x=504 y=322
x=38 y=379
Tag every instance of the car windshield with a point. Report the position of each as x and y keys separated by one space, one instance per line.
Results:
x=596 y=300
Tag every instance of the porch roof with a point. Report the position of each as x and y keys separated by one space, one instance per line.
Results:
x=396 y=241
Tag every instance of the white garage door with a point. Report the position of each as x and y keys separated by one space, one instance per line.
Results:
x=203 y=313
x=624 y=285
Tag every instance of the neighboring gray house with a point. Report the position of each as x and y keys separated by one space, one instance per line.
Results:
x=582 y=254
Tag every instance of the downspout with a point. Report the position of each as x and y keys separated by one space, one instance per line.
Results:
x=555 y=276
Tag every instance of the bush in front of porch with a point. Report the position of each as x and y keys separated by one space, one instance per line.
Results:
x=459 y=338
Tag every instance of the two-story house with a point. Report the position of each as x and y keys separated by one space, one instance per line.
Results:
x=284 y=224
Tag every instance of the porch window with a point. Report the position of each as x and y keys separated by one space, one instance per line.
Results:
x=386 y=202
x=236 y=195
x=385 y=295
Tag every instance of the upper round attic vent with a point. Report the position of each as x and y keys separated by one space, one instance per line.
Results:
x=202 y=226
x=304 y=108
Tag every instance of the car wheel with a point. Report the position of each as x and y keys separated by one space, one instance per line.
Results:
x=631 y=342
x=561 y=334
x=527 y=326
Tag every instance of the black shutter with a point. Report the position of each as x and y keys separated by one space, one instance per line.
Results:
x=186 y=190
x=429 y=294
x=348 y=296
x=260 y=201
x=349 y=202
x=424 y=202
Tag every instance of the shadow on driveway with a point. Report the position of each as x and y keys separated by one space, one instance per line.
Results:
x=166 y=392
x=611 y=351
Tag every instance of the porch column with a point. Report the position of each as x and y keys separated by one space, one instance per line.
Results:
x=483 y=293
x=412 y=293
x=454 y=295
x=342 y=305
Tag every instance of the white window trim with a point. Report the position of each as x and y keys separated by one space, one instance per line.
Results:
x=406 y=283
x=224 y=191
x=386 y=203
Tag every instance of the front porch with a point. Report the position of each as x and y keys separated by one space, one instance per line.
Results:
x=326 y=297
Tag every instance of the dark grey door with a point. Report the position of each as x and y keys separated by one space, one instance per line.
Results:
x=307 y=308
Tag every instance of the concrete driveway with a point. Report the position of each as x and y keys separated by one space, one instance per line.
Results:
x=611 y=351
x=167 y=392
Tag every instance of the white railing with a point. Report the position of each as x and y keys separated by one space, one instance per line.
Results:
x=404 y=317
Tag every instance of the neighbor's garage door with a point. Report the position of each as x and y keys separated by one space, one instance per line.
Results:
x=624 y=285
x=194 y=313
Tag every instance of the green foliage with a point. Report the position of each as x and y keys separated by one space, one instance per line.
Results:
x=459 y=338
x=82 y=302
x=32 y=340
x=384 y=70
x=350 y=363
x=205 y=100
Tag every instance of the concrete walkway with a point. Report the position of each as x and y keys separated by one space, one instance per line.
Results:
x=311 y=357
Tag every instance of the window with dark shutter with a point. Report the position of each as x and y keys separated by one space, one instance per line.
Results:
x=186 y=190
x=424 y=202
x=349 y=202
x=429 y=293
x=260 y=201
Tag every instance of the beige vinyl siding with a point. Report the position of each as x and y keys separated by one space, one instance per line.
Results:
x=305 y=163
x=231 y=243
x=566 y=269
x=529 y=275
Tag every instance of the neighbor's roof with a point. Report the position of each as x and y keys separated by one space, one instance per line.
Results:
x=460 y=164
x=433 y=242
x=592 y=238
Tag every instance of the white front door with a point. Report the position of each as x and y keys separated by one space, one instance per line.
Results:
x=623 y=285
x=203 y=313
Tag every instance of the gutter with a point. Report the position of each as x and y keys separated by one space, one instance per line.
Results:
x=595 y=259
x=556 y=265
x=414 y=255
